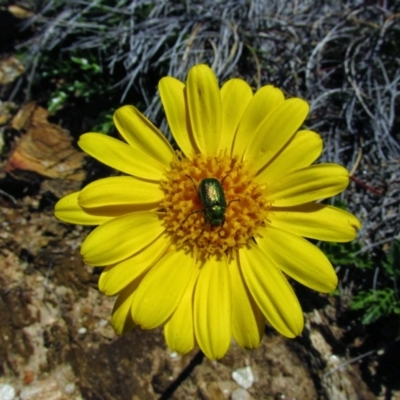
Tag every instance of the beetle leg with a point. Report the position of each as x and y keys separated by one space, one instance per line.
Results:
x=193 y=212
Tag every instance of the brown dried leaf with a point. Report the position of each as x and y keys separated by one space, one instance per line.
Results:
x=10 y=69
x=44 y=148
x=20 y=12
x=6 y=108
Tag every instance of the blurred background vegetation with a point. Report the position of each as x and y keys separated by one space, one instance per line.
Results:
x=83 y=59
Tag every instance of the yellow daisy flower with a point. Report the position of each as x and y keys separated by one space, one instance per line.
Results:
x=201 y=240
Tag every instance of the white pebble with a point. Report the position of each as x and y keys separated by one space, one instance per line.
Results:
x=240 y=394
x=102 y=323
x=7 y=392
x=70 y=388
x=82 y=330
x=174 y=355
x=243 y=377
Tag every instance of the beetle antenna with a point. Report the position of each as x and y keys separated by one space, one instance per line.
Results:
x=195 y=187
x=223 y=179
x=232 y=202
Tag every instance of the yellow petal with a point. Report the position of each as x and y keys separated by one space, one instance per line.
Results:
x=114 y=278
x=142 y=135
x=179 y=331
x=204 y=103
x=260 y=106
x=235 y=97
x=121 y=318
x=315 y=182
x=162 y=289
x=275 y=131
x=271 y=291
x=212 y=308
x=120 y=190
x=121 y=237
x=316 y=221
x=247 y=320
x=304 y=148
x=121 y=156
x=173 y=97
x=67 y=209
x=299 y=259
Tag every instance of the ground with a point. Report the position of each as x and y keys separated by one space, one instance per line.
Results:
x=57 y=341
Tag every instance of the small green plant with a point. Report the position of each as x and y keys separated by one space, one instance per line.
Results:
x=105 y=122
x=383 y=300
x=376 y=303
x=74 y=77
x=347 y=255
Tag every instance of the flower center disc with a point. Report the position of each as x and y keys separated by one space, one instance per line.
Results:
x=185 y=218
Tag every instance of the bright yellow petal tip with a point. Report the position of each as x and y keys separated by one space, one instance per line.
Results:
x=201 y=240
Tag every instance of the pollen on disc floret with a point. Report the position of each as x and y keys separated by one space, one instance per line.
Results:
x=184 y=216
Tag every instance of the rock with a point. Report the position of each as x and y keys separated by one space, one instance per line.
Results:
x=7 y=392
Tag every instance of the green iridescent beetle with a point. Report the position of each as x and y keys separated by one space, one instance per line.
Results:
x=212 y=197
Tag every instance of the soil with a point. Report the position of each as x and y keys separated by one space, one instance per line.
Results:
x=57 y=342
